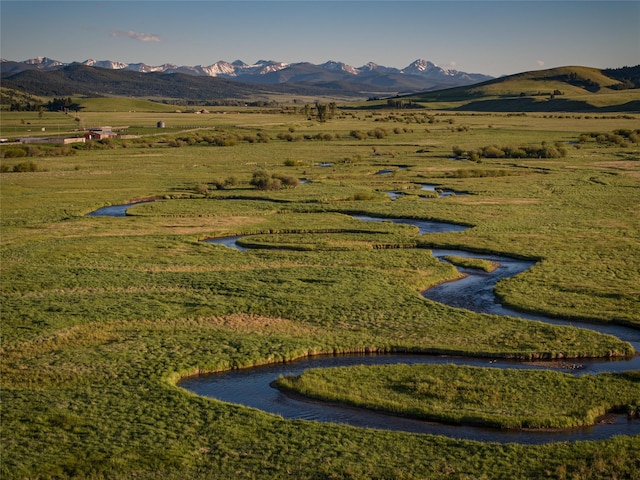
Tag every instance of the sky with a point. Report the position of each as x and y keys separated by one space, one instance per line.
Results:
x=476 y=36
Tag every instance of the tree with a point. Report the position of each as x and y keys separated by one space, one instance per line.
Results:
x=322 y=111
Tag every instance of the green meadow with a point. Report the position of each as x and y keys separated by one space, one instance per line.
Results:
x=102 y=316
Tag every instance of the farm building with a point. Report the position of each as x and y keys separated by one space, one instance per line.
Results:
x=52 y=140
x=100 y=133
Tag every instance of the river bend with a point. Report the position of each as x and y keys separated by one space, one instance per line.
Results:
x=252 y=386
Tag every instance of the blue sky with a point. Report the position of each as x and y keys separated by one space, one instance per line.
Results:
x=480 y=36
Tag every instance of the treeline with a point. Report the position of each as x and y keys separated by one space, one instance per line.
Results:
x=29 y=104
x=628 y=76
x=62 y=105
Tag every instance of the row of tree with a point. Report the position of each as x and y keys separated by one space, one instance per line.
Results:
x=55 y=105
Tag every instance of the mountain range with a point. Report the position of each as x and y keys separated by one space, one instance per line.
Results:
x=421 y=75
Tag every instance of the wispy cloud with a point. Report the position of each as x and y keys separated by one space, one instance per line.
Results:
x=141 y=37
x=540 y=63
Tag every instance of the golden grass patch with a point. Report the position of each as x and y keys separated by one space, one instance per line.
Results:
x=247 y=323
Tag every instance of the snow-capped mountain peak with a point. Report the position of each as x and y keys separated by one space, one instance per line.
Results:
x=218 y=69
x=420 y=66
x=105 y=64
x=44 y=62
x=339 y=66
x=370 y=66
x=418 y=75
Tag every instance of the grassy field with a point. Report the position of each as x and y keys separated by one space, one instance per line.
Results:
x=101 y=316
x=473 y=396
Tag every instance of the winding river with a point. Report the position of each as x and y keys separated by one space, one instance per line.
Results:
x=252 y=386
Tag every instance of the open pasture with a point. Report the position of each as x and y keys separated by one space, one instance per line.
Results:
x=101 y=316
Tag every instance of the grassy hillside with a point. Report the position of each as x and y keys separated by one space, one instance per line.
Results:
x=567 y=89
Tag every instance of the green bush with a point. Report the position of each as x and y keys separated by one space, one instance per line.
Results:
x=15 y=152
x=264 y=180
x=511 y=151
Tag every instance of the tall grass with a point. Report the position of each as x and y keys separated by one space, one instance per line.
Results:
x=471 y=395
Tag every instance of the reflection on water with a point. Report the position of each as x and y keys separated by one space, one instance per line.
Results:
x=114 y=210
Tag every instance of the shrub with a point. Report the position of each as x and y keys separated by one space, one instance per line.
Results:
x=492 y=151
x=286 y=181
x=377 y=133
x=515 y=152
x=261 y=179
x=458 y=152
x=176 y=143
x=231 y=182
x=201 y=189
x=285 y=136
x=14 y=153
x=26 y=167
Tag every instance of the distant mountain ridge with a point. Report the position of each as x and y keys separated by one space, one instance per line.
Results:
x=418 y=76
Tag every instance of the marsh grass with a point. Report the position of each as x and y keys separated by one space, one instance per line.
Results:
x=471 y=395
x=478 y=263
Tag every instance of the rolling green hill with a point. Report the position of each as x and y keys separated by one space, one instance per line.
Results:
x=557 y=89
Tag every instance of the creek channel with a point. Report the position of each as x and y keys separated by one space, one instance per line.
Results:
x=252 y=386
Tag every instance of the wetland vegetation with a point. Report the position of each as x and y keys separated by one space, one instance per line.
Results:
x=470 y=395
x=102 y=316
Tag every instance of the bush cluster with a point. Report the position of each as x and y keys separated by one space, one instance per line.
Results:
x=264 y=180
x=22 y=151
x=20 y=167
x=221 y=139
x=622 y=137
x=327 y=137
x=510 y=151
x=375 y=133
x=228 y=182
